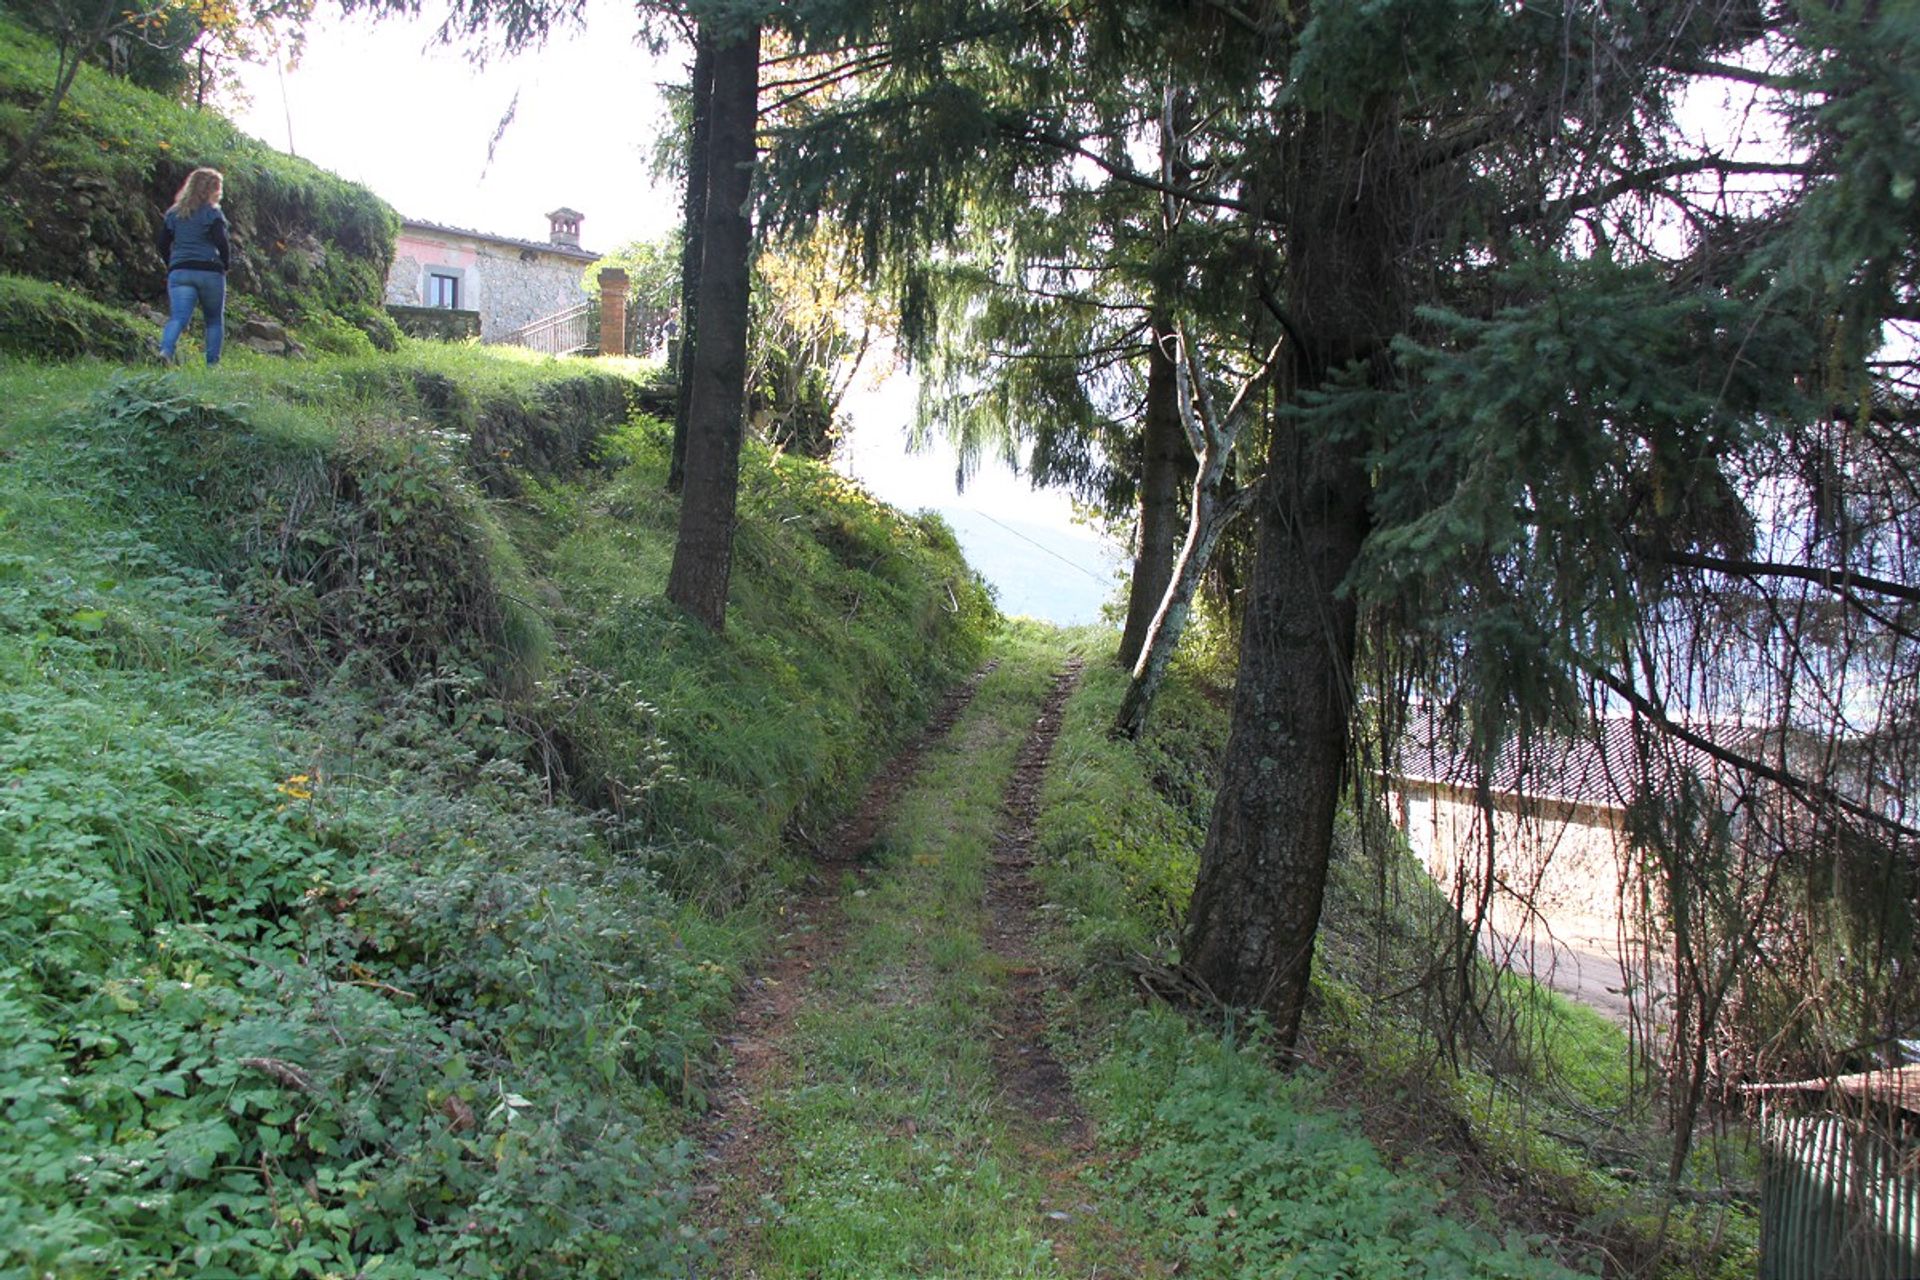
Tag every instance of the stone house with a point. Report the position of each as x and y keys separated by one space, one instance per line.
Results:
x=1558 y=814
x=450 y=281
x=1560 y=866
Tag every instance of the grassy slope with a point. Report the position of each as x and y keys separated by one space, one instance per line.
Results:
x=1243 y=1171
x=312 y=954
x=310 y=248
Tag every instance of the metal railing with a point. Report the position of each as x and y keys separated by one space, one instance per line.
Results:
x=562 y=333
x=1841 y=1196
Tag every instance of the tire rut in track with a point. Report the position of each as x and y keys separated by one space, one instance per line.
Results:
x=730 y=1134
x=1058 y=1139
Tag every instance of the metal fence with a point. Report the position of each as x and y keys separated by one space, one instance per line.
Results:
x=562 y=333
x=1840 y=1197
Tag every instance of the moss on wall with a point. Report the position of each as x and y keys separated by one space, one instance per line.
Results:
x=441 y=324
x=47 y=321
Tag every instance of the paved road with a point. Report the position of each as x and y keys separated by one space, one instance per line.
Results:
x=1584 y=968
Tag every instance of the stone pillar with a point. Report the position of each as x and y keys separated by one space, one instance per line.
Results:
x=613 y=311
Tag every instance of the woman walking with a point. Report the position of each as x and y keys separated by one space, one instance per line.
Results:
x=194 y=242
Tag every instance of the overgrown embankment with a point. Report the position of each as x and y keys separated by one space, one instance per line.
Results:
x=1406 y=1140
x=354 y=785
x=310 y=249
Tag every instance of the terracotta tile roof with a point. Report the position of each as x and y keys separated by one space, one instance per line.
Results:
x=544 y=246
x=1597 y=770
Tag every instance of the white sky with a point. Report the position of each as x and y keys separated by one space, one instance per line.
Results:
x=382 y=104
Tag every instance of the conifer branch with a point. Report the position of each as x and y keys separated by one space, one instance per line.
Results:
x=806 y=86
x=1461 y=142
x=1745 y=75
x=1843 y=582
x=1079 y=299
x=1802 y=787
x=1253 y=25
x=1646 y=180
x=1124 y=173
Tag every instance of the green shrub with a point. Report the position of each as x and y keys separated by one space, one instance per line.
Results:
x=290 y=996
x=335 y=335
x=48 y=322
x=374 y=321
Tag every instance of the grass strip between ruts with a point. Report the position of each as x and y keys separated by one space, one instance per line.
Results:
x=899 y=1156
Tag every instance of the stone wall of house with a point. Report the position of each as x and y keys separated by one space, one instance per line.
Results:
x=403 y=280
x=1562 y=865
x=509 y=286
x=521 y=286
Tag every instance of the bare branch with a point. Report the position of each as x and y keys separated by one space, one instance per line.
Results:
x=1242 y=499
x=1183 y=391
x=1843 y=582
x=1254 y=381
x=1210 y=423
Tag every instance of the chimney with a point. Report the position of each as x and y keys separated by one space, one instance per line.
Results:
x=566 y=226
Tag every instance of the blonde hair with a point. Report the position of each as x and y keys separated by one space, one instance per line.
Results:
x=201 y=189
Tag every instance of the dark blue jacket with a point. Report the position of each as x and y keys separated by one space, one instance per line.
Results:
x=196 y=242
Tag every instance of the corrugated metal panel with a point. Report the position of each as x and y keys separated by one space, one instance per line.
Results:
x=1840 y=1199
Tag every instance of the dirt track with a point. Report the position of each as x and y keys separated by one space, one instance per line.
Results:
x=1035 y=1082
x=730 y=1133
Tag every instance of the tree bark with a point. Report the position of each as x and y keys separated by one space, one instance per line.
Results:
x=1165 y=461
x=1211 y=438
x=1213 y=515
x=1256 y=901
x=717 y=374
x=692 y=245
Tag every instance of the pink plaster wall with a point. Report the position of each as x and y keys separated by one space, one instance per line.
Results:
x=432 y=251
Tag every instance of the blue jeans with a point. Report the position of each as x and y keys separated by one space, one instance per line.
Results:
x=185 y=290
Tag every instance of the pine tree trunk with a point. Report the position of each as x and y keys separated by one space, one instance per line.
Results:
x=1256 y=902
x=1165 y=460
x=692 y=245
x=1263 y=871
x=717 y=374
